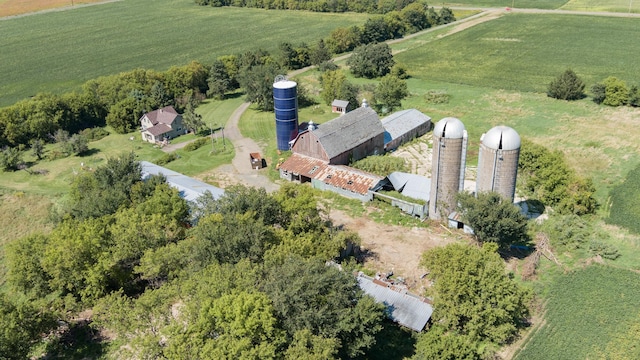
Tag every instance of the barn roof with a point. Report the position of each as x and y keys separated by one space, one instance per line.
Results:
x=402 y=122
x=348 y=131
x=411 y=185
x=402 y=307
x=165 y=115
x=343 y=177
x=189 y=188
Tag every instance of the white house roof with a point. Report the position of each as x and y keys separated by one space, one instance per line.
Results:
x=450 y=128
x=411 y=185
x=402 y=307
x=402 y=122
x=189 y=188
x=501 y=138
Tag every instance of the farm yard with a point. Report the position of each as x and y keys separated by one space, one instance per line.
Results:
x=495 y=72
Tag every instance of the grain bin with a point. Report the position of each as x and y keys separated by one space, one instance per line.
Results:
x=498 y=161
x=448 y=163
x=285 y=104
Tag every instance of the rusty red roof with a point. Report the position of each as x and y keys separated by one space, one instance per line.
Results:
x=340 y=176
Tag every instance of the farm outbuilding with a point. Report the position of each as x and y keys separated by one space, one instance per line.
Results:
x=350 y=137
x=190 y=189
x=403 y=307
x=404 y=126
x=340 y=179
x=340 y=106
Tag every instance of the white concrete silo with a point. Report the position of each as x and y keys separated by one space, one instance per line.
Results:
x=498 y=161
x=448 y=163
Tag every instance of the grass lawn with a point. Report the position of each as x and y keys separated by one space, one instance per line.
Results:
x=591 y=313
x=59 y=51
x=525 y=52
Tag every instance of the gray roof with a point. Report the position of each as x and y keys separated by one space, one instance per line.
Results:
x=501 y=138
x=402 y=307
x=402 y=122
x=450 y=128
x=349 y=130
x=411 y=185
x=340 y=103
x=189 y=188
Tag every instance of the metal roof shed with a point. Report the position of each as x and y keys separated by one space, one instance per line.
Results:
x=404 y=125
x=189 y=188
x=402 y=307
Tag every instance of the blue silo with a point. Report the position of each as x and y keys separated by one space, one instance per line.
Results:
x=285 y=104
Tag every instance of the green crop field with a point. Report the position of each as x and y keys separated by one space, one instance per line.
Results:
x=525 y=52
x=591 y=314
x=599 y=5
x=60 y=50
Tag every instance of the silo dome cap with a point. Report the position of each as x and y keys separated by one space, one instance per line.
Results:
x=284 y=84
x=501 y=138
x=450 y=128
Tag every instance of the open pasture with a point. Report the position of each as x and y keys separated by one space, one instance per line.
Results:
x=599 y=5
x=525 y=52
x=591 y=313
x=58 y=51
x=526 y=4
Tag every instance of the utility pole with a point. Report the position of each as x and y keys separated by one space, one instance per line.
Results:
x=212 y=147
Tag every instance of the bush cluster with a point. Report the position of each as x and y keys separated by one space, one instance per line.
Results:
x=549 y=178
x=195 y=145
x=615 y=92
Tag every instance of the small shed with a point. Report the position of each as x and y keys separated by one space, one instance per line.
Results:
x=339 y=106
x=189 y=188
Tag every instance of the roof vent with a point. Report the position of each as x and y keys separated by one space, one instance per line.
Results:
x=365 y=103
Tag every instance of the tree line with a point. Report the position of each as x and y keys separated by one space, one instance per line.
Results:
x=360 y=6
x=611 y=91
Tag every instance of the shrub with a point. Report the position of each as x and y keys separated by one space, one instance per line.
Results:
x=567 y=86
x=195 y=145
x=607 y=251
x=167 y=158
x=94 y=134
x=616 y=92
x=437 y=97
x=598 y=93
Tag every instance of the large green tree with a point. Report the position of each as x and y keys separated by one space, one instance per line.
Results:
x=567 y=86
x=371 y=61
x=336 y=86
x=257 y=82
x=390 y=91
x=493 y=218
x=21 y=326
x=473 y=294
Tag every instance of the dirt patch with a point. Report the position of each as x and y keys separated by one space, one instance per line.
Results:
x=396 y=248
x=13 y=8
